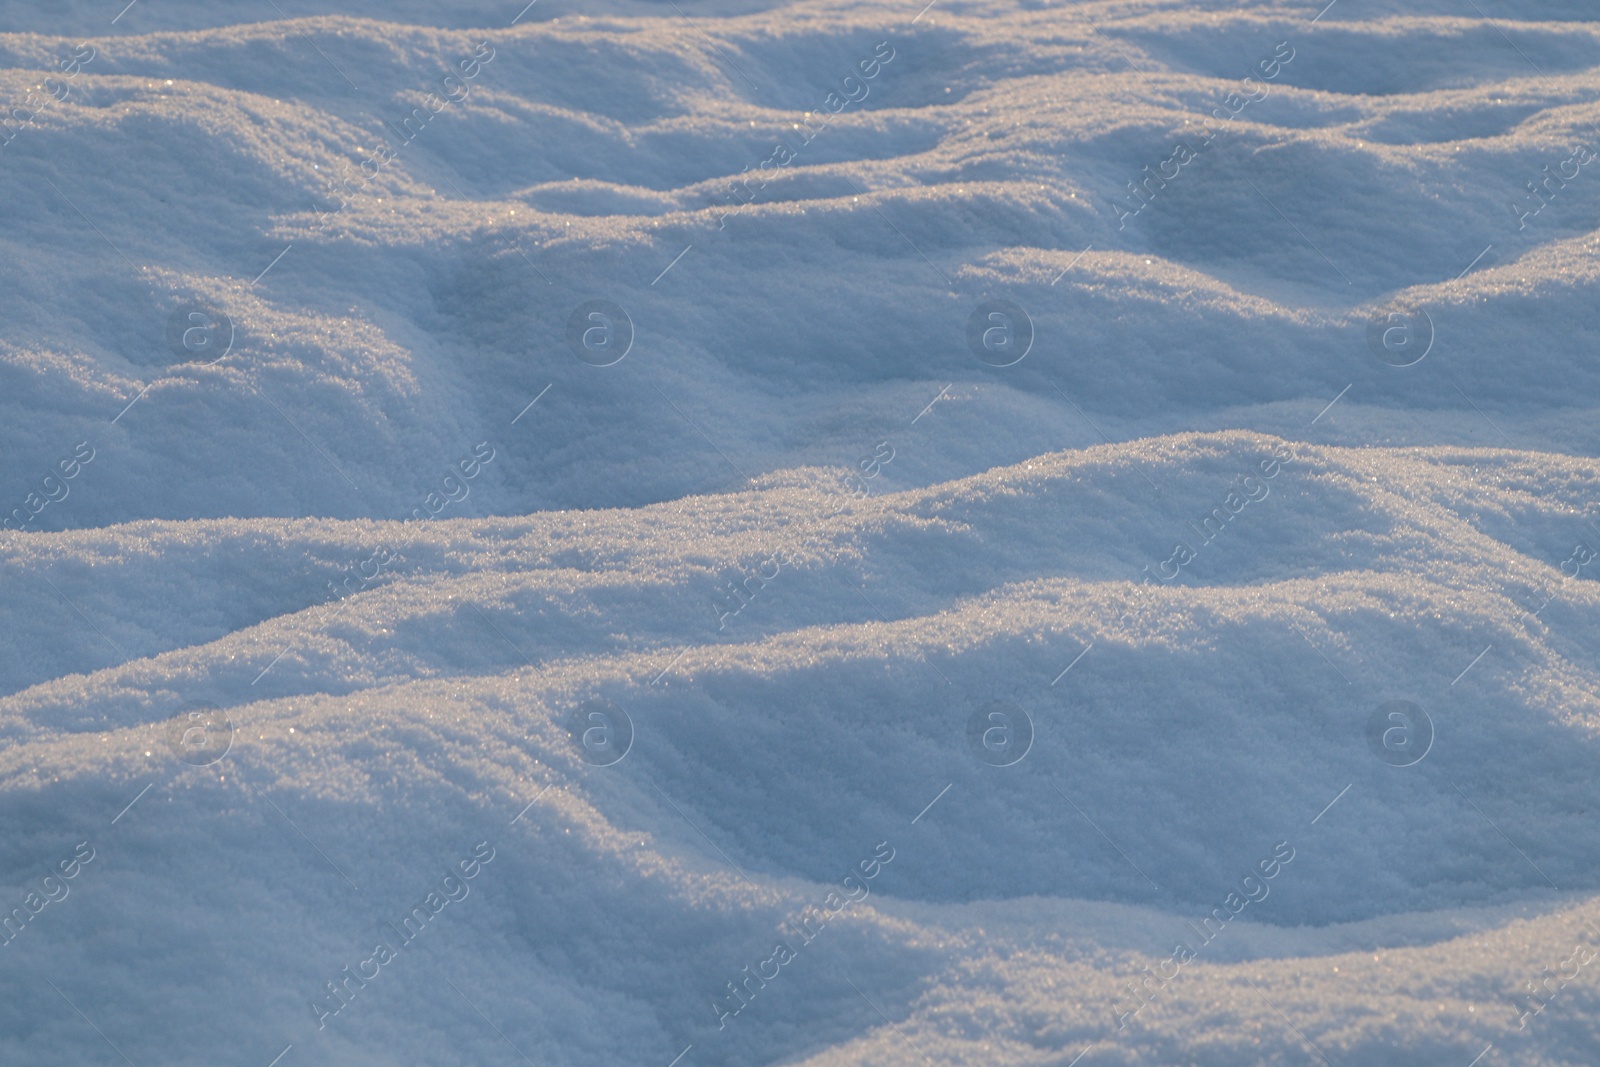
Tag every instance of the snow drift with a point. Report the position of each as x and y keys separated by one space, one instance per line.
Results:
x=525 y=543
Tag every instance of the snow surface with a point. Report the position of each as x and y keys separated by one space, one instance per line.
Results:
x=305 y=621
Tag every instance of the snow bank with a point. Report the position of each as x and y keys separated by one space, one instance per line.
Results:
x=514 y=516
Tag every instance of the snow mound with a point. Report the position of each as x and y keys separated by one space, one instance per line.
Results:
x=531 y=538
x=1179 y=732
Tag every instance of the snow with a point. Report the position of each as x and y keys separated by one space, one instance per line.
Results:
x=344 y=551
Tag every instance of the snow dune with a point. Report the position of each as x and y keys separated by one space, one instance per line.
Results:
x=498 y=575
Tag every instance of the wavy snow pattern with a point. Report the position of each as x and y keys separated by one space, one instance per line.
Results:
x=1425 y=537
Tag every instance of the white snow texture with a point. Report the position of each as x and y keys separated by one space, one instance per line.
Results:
x=1020 y=533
